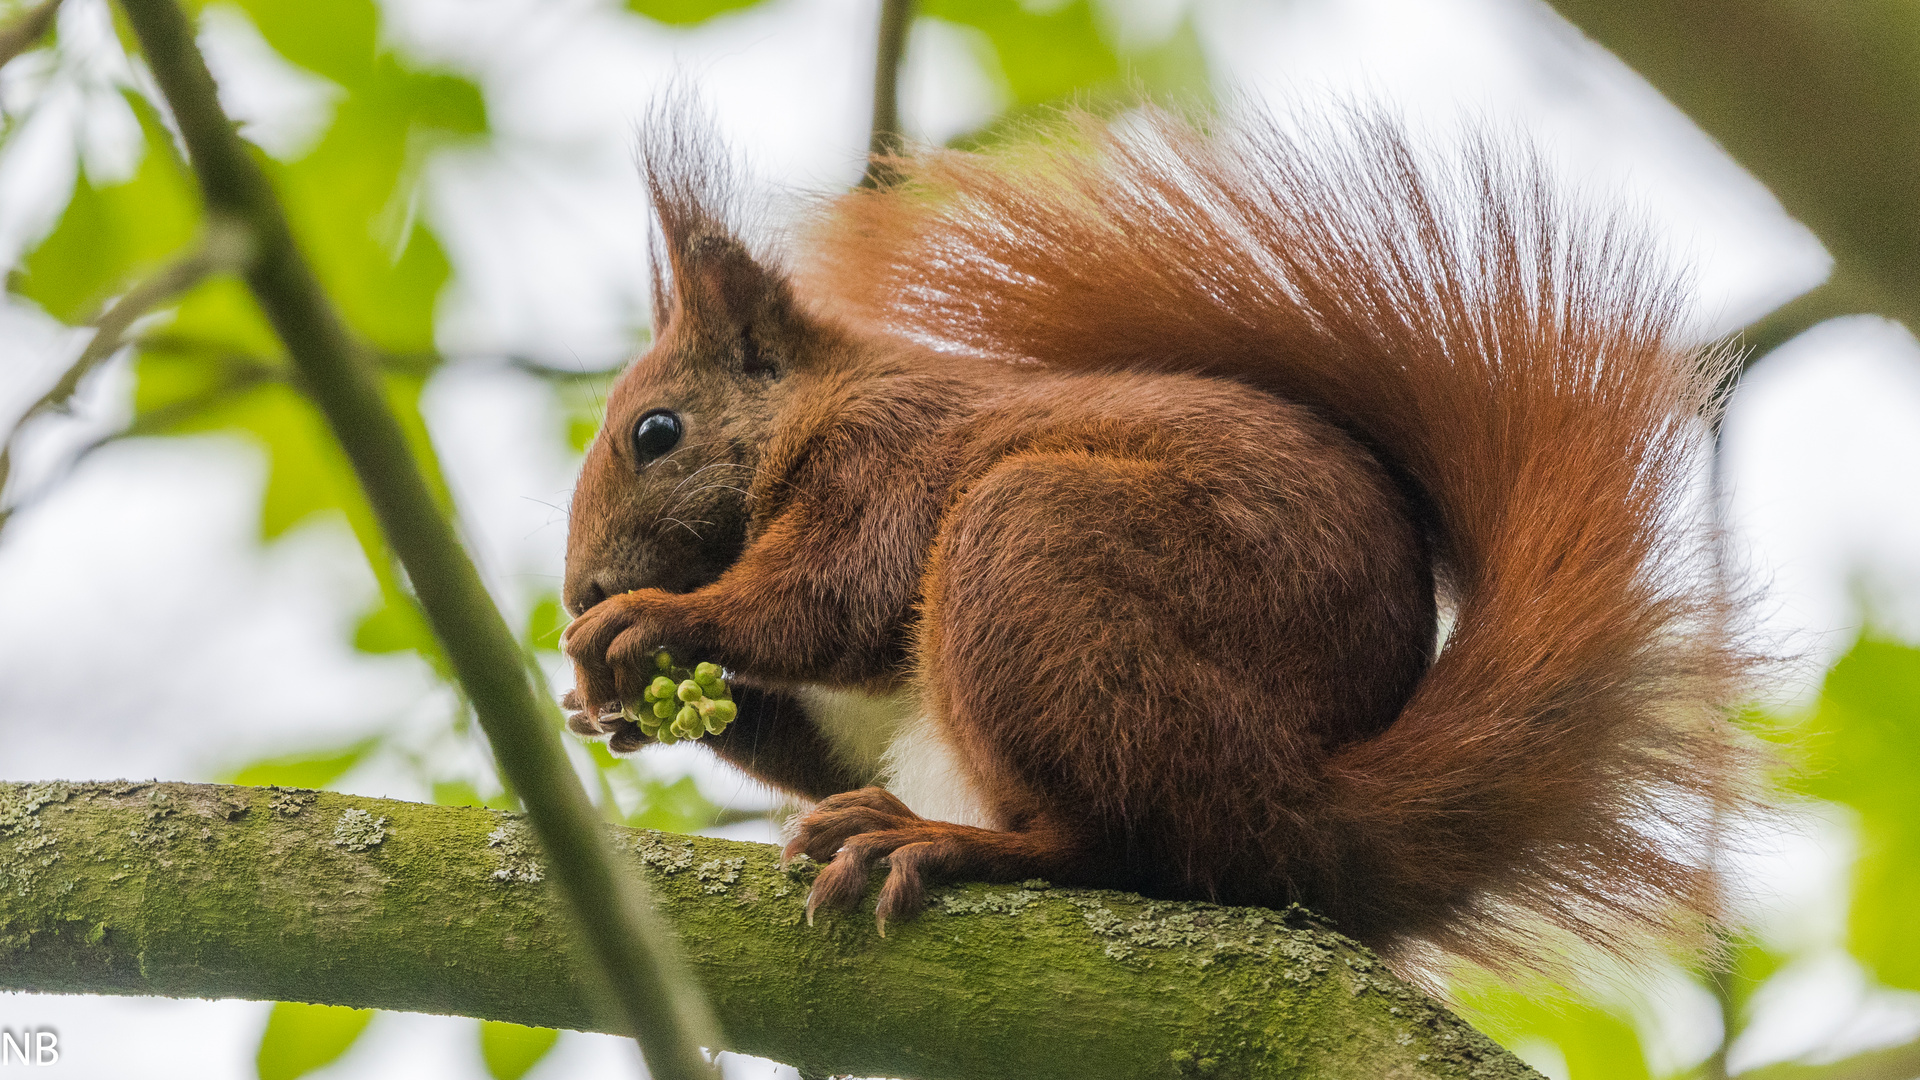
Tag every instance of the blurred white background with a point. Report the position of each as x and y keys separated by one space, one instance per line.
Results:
x=145 y=633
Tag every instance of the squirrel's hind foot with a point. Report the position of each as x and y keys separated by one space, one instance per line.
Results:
x=857 y=828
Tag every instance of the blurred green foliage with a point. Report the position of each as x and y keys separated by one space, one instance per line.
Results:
x=112 y=235
x=309 y=770
x=544 y=623
x=211 y=364
x=215 y=366
x=301 y=1038
x=1048 y=55
x=510 y=1051
x=1043 y=55
x=674 y=807
x=686 y=12
x=1593 y=1039
x=1864 y=748
x=463 y=793
x=1857 y=747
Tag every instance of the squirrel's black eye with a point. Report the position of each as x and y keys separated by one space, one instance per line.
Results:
x=655 y=434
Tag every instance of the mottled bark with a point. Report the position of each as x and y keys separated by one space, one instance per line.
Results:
x=187 y=890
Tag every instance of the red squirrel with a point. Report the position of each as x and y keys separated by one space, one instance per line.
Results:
x=1087 y=511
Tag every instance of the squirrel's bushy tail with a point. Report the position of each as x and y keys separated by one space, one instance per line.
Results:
x=1512 y=357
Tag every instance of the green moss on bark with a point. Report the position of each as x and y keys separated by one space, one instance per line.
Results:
x=206 y=891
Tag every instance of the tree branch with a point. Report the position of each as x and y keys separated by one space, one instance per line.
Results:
x=223 y=248
x=1831 y=299
x=24 y=30
x=885 y=141
x=633 y=955
x=200 y=890
x=1820 y=102
x=241 y=375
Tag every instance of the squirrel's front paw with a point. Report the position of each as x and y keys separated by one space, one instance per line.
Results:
x=611 y=645
x=628 y=688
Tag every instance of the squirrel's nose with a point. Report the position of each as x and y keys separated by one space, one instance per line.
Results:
x=582 y=593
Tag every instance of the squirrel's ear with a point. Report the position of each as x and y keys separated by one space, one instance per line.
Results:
x=706 y=284
x=731 y=301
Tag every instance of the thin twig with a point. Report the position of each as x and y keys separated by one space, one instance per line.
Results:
x=223 y=248
x=24 y=30
x=885 y=142
x=647 y=986
x=241 y=376
x=1835 y=297
x=537 y=369
x=428 y=362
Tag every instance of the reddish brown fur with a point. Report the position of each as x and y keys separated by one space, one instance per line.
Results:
x=1138 y=453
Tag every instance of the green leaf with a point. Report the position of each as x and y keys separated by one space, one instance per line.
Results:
x=1175 y=69
x=676 y=807
x=1043 y=56
x=545 y=622
x=395 y=623
x=110 y=236
x=1061 y=55
x=218 y=317
x=581 y=428
x=510 y=1050
x=216 y=365
x=180 y=393
x=1865 y=740
x=307 y=473
x=393 y=627
x=462 y=793
x=301 y=1038
x=335 y=40
x=353 y=199
x=603 y=758
x=686 y=12
x=306 y=470
x=313 y=769
x=1750 y=964
x=1598 y=1042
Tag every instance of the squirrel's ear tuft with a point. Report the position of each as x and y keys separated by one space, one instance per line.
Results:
x=705 y=280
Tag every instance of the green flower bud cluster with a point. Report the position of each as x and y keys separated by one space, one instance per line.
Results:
x=682 y=704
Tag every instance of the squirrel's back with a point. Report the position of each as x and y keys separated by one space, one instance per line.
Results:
x=1513 y=361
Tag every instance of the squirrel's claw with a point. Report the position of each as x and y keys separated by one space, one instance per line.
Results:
x=605 y=721
x=853 y=831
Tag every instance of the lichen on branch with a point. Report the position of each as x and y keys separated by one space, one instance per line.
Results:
x=186 y=890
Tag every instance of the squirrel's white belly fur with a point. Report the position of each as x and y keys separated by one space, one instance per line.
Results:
x=895 y=741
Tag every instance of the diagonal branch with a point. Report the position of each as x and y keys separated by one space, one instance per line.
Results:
x=192 y=890
x=632 y=954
